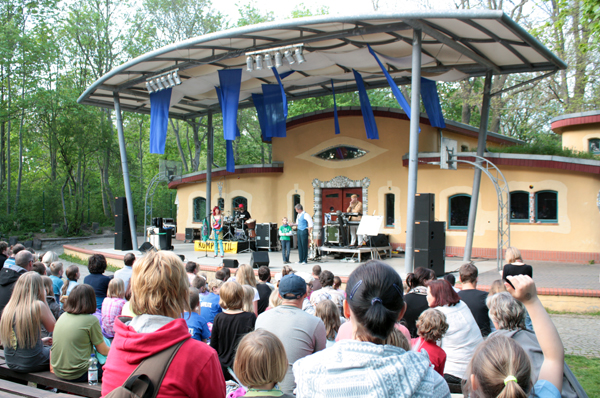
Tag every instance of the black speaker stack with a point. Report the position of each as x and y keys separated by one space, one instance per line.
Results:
x=430 y=235
x=122 y=230
x=266 y=236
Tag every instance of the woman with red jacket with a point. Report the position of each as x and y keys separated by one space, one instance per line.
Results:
x=160 y=295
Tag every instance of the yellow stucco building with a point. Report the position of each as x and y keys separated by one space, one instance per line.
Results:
x=554 y=200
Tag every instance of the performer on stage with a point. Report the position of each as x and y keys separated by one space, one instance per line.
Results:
x=305 y=226
x=285 y=235
x=216 y=223
x=242 y=213
x=355 y=206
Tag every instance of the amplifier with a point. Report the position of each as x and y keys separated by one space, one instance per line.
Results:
x=267 y=236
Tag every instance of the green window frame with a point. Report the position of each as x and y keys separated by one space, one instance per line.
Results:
x=518 y=211
x=546 y=206
x=199 y=209
x=239 y=200
x=458 y=211
x=390 y=208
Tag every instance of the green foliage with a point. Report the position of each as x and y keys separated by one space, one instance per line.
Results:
x=545 y=144
x=587 y=371
x=250 y=15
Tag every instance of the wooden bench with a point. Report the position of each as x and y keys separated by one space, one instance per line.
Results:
x=10 y=389
x=48 y=379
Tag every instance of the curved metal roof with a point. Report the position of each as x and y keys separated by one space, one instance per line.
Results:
x=455 y=45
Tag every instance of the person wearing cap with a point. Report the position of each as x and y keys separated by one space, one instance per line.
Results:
x=302 y=334
x=242 y=213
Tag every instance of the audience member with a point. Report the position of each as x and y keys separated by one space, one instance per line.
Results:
x=497 y=286
x=191 y=268
x=431 y=327
x=452 y=281
x=473 y=298
x=199 y=283
x=50 y=299
x=286 y=270
x=398 y=339
x=126 y=311
x=39 y=267
x=160 y=295
x=330 y=315
x=316 y=273
x=209 y=305
x=337 y=283
x=274 y=299
x=196 y=324
x=76 y=334
x=49 y=258
x=12 y=270
x=96 y=279
x=501 y=368
x=112 y=307
x=56 y=273
x=220 y=275
x=301 y=334
x=125 y=273
x=365 y=366
x=245 y=276
x=25 y=349
x=514 y=264
x=463 y=335
x=230 y=325
x=4 y=252
x=248 y=299
x=327 y=290
x=72 y=275
x=416 y=298
x=264 y=287
x=261 y=363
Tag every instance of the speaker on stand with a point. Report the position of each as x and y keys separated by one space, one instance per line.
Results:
x=122 y=230
x=429 y=235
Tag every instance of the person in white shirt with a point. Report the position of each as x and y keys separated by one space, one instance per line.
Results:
x=125 y=273
x=305 y=226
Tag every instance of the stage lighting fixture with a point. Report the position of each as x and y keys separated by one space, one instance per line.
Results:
x=164 y=82
x=278 y=60
x=269 y=60
x=159 y=84
x=259 y=62
x=176 y=77
x=149 y=88
x=170 y=80
x=299 y=56
x=289 y=57
x=249 y=62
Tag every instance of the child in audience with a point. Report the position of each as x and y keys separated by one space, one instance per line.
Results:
x=97 y=265
x=56 y=269
x=330 y=315
x=337 y=283
x=245 y=276
x=39 y=267
x=24 y=347
x=274 y=299
x=126 y=311
x=195 y=322
x=500 y=366
x=200 y=283
x=112 y=306
x=398 y=339
x=431 y=327
x=261 y=363
x=209 y=305
x=248 y=299
x=497 y=286
x=52 y=304
x=76 y=334
x=72 y=275
x=230 y=325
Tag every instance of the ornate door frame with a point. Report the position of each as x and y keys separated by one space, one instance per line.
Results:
x=336 y=182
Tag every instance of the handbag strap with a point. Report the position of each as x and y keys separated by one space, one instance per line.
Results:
x=154 y=369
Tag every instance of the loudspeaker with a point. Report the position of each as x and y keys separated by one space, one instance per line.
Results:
x=230 y=263
x=123 y=241
x=424 y=207
x=121 y=223
x=431 y=259
x=380 y=240
x=259 y=258
x=121 y=206
x=430 y=235
x=189 y=234
x=146 y=247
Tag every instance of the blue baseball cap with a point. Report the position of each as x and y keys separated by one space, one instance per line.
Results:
x=292 y=285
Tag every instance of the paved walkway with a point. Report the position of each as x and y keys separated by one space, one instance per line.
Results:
x=579 y=333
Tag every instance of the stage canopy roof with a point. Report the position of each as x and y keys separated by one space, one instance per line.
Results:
x=455 y=45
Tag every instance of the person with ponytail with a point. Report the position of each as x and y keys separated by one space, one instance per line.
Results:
x=501 y=368
x=416 y=298
x=365 y=366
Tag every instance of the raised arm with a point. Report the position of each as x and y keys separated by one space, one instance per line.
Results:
x=550 y=343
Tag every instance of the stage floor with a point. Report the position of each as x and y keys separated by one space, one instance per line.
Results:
x=338 y=267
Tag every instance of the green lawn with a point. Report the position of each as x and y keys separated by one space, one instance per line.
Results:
x=587 y=371
x=79 y=261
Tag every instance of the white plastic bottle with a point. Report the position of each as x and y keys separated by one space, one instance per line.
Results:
x=93 y=371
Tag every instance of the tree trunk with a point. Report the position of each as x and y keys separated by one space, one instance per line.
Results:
x=8 y=146
x=20 y=177
x=64 y=207
x=175 y=127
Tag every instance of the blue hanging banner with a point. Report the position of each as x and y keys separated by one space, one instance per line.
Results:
x=431 y=102
x=259 y=104
x=274 y=111
x=365 y=107
x=283 y=97
x=397 y=93
x=230 y=167
x=159 y=120
x=335 y=114
x=230 y=81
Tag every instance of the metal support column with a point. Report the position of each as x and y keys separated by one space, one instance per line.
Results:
x=209 y=162
x=413 y=154
x=483 y=128
x=123 y=150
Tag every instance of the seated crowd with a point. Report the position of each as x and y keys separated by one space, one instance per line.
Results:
x=300 y=335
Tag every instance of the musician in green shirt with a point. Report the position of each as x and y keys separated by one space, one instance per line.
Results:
x=285 y=234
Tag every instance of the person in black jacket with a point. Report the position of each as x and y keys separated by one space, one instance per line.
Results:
x=10 y=273
x=473 y=298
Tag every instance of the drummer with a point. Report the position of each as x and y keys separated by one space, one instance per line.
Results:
x=242 y=214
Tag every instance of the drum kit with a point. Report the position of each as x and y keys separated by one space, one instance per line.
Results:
x=236 y=229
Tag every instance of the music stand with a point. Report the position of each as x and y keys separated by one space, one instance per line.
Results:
x=370 y=226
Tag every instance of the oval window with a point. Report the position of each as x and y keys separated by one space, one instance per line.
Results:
x=343 y=152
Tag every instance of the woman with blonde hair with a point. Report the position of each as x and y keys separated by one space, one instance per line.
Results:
x=20 y=326
x=274 y=299
x=112 y=306
x=330 y=315
x=160 y=295
x=248 y=299
x=261 y=363
x=245 y=276
x=515 y=266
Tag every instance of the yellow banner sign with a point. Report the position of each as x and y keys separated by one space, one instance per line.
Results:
x=200 y=246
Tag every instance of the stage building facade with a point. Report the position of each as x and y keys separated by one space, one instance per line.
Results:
x=555 y=201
